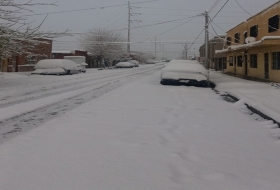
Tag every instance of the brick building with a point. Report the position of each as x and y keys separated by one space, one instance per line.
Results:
x=24 y=62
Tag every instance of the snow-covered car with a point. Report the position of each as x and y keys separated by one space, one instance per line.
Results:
x=56 y=67
x=135 y=63
x=124 y=65
x=187 y=72
x=150 y=62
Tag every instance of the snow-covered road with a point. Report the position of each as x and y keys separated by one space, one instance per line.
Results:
x=143 y=135
x=27 y=102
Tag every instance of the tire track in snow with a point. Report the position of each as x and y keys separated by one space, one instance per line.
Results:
x=12 y=127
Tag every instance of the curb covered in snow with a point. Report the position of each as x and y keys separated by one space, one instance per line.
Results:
x=253 y=109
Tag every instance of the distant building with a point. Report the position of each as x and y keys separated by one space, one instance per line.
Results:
x=216 y=61
x=90 y=59
x=253 y=46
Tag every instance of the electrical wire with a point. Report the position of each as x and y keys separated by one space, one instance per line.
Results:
x=218 y=12
x=87 y=9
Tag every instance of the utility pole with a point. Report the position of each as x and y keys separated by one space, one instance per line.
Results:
x=206 y=44
x=128 y=32
x=155 y=48
x=186 y=49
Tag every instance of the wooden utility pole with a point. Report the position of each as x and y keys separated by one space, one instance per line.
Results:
x=128 y=31
x=206 y=43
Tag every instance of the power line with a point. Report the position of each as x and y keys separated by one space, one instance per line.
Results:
x=215 y=4
x=218 y=12
x=87 y=9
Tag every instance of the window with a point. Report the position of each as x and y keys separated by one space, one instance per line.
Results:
x=276 y=60
x=254 y=61
x=228 y=41
x=254 y=31
x=239 y=61
x=230 y=61
x=31 y=60
x=236 y=38
x=273 y=24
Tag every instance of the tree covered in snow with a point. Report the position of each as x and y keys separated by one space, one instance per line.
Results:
x=17 y=35
x=103 y=44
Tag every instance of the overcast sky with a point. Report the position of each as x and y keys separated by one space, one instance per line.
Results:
x=115 y=17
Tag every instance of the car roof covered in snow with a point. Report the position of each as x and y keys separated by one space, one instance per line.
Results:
x=185 y=66
x=56 y=63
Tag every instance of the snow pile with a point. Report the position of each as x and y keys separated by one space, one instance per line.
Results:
x=184 y=69
x=57 y=63
x=10 y=75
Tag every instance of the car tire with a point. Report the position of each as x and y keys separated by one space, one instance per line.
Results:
x=163 y=82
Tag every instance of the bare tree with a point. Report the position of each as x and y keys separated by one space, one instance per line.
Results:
x=103 y=44
x=17 y=36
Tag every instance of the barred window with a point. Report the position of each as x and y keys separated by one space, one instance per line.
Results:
x=236 y=38
x=276 y=60
x=228 y=41
x=239 y=61
x=254 y=61
x=254 y=31
x=273 y=23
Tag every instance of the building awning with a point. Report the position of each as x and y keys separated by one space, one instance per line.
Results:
x=264 y=42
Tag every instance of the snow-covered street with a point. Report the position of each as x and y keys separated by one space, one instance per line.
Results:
x=129 y=132
x=28 y=101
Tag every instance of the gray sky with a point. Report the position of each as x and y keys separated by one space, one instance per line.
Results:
x=116 y=16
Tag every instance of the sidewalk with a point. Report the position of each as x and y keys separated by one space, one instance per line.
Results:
x=262 y=96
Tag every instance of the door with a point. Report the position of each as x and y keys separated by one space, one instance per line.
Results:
x=234 y=68
x=246 y=63
x=266 y=66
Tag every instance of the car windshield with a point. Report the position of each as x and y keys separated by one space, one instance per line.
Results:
x=140 y=94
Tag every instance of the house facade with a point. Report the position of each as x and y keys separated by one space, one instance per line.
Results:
x=216 y=61
x=253 y=47
x=90 y=59
x=24 y=62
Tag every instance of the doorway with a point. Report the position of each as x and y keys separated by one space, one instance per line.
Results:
x=266 y=66
x=246 y=63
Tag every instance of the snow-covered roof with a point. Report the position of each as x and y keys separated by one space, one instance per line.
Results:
x=252 y=44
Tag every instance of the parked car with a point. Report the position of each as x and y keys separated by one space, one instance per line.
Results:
x=80 y=60
x=150 y=61
x=188 y=72
x=56 y=67
x=135 y=63
x=124 y=65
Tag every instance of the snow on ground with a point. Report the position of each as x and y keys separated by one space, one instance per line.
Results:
x=10 y=76
x=262 y=96
x=145 y=136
